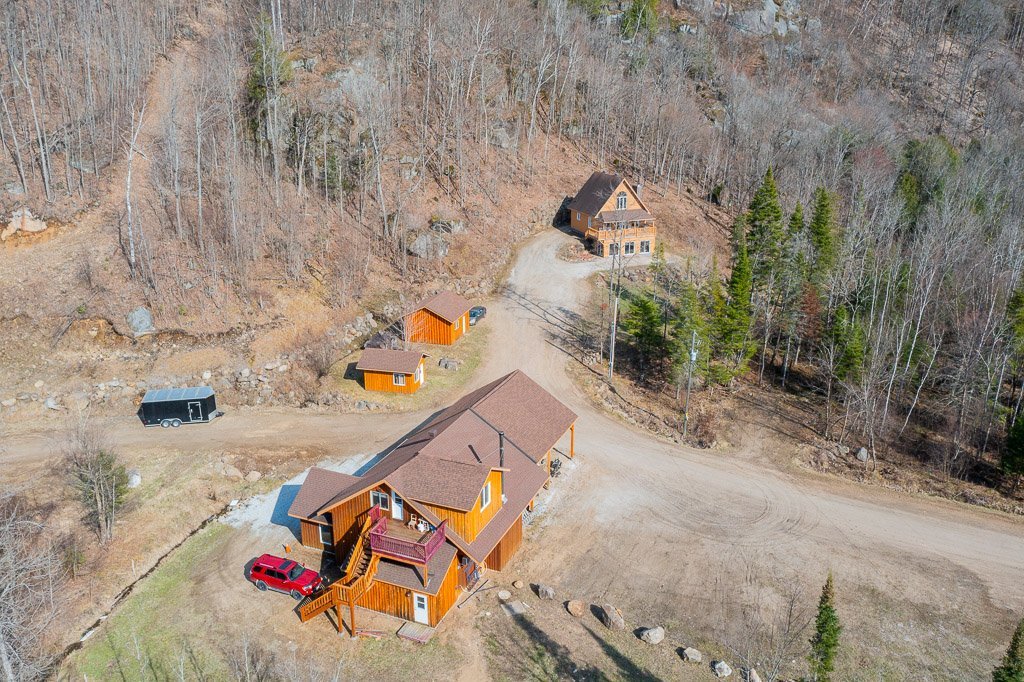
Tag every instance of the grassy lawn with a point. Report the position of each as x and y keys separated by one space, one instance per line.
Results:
x=440 y=385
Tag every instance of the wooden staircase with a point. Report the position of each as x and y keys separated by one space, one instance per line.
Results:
x=354 y=583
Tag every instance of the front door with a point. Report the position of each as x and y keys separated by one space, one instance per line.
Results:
x=397 y=506
x=195 y=412
x=419 y=608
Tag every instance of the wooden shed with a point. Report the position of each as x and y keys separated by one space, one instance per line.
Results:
x=392 y=371
x=441 y=319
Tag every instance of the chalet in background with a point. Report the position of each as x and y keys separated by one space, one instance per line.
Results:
x=392 y=371
x=441 y=319
x=443 y=504
x=608 y=211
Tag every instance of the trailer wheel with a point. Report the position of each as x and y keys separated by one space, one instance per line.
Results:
x=175 y=423
x=166 y=423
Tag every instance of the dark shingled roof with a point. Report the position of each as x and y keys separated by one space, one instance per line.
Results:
x=595 y=192
x=447 y=305
x=384 y=360
x=319 y=487
x=446 y=461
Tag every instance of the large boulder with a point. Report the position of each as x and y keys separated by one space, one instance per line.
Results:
x=545 y=591
x=653 y=635
x=140 y=321
x=612 y=618
x=429 y=247
x=757 y=21
x=862 y=455
x=691 y=655
x=721 y=669
x=134 y=478
x=22 y=220
x=575 y=607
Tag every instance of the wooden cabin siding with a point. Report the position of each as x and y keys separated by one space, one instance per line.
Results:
x=397 y=601
x=310 y=534
x=426 y=327
x=469 y=524
x=507 y=547
x=631 y=200
x=384 y=381
x=347 y=517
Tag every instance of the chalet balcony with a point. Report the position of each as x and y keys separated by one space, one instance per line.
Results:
x=389 y=538
x=609 y=232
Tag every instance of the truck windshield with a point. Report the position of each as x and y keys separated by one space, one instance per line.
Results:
x=295 y=572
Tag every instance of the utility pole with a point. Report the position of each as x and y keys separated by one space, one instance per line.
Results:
x=611 y=341
x=689 y=380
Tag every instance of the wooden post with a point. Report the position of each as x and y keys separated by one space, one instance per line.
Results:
x=352 y=616
x=549 y=465
x=424 y=575
x=572 y=440
x=337 y=616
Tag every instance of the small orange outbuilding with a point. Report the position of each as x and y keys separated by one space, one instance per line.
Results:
x=392 y=371
x=441 y=319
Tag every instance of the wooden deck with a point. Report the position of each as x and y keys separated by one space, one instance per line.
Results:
x=416 y=632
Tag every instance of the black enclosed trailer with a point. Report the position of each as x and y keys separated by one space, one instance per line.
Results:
x=176 y=406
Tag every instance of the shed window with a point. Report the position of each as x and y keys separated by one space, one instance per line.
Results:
x=485 y=496
x=458 y=324
x=419 y=375
x=645 y=247
x=326 y=536
x=629 y=247
x=398 y=378
x=577 y=216
x=379 y=498
x=620 y=202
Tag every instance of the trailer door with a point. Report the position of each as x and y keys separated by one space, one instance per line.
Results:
x=195 y=411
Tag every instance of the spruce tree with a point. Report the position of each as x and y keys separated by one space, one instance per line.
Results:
x=1012 y=667
x=822 y=232
x=643 y=323
x=1012 y=460
x=690 y=320
x=766 y=233
x=825 y=642
x=739 y=312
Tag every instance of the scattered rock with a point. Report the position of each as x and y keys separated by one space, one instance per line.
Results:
x=51 y=403
x=10 y=402
x=514 y=608
x=230 y=471
x=253 y=476
x=612 y=618
x=206 y=375
x=140 y=321
x=448 y=363
x=504 y=595
x=39 y=384
x=843 y=449
x=22 y=220
x=283 y=368
x=862 y=455
x=429 y=246
x=518 y=584
x=448 y=226
x=691 y=655
x=545 y=591
x=78 y=400
x=721 y=669
x=752 y=675
x=134 y=478
x=575 y=607
x=653 y=635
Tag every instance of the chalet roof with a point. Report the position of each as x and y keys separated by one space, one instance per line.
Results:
x=409 y=577
x=319 y=487
x=446 y=460
x=595 y=192
x=385 y=360
x=624 y=216
x=447 y=305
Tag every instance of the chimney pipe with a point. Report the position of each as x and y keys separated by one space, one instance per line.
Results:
x=501 y=449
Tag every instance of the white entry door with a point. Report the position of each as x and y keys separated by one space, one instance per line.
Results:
x=397 y=506
x=419 y=608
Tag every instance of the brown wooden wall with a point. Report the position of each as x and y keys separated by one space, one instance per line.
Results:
x=506 y=547
x=426 y=327
x=469 y=524
x=397 y=601
x=384 y=381
x=311 y=534
x=347 y=518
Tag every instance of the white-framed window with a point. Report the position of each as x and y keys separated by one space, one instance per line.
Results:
x=613 y=249
x=577 y=216
x=485 y=496
x=645 y=246
x=379 y=498
x=326 y=536
x=588 y=221
x=398 y=378
x=629 y=248
x=620 y=202
x=419 y=374
x=458 y=324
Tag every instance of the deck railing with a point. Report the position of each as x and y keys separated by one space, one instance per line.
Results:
x=397 y=548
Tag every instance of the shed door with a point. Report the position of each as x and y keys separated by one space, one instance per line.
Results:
x=419 y=608
x=195 y=412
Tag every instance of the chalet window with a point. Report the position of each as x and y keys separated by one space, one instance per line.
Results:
x=398 y=378
x=379 y=498
x=645 y=247
x=613 y=249
x=326 y=536
x=620 y=202
x=588 y=221
x=485 y=496
x=577 y=216
x=630 y=247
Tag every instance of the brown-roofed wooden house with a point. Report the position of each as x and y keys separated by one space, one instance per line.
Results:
x=609 y=214
x=442 y=319
x=442 y=505
x=392 y=371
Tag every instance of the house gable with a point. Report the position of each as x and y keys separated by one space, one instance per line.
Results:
x=633 y=202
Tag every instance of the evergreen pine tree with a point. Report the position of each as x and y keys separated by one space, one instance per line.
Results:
x=1012 y=667
x=690 y=320
x=766 y=234
x=1012 y=459
x=822 y=232
x=825 y=642
x=739 y=312
x=851 y=360
x=643 y=323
